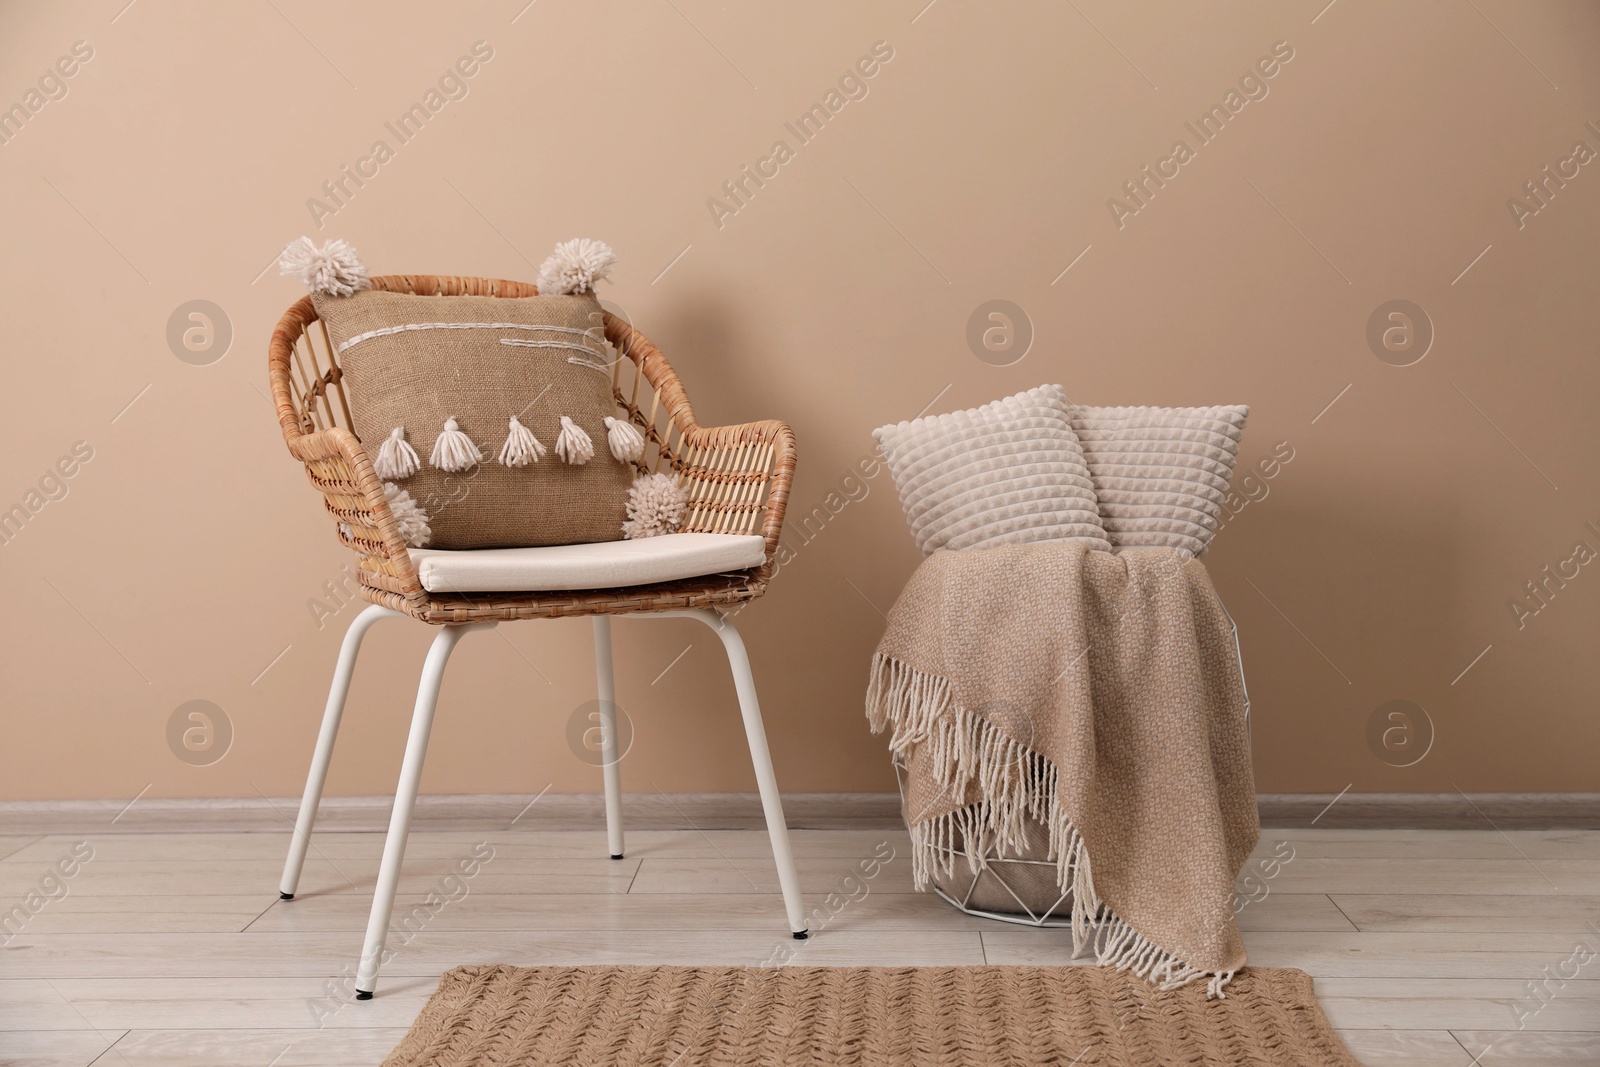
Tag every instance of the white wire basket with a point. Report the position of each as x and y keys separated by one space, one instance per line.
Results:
x=1019 y=888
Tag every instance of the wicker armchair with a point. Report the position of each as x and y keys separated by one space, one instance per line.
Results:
x=738 y=481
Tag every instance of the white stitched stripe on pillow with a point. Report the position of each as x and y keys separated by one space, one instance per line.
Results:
x=386 y=331
x=603 y=368
x=518 y=342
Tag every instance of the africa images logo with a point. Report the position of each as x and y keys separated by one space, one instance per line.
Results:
x=852 y=85
x=51 y=86
x=453 y=84
x=1207 y=128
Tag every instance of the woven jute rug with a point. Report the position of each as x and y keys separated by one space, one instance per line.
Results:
x=496 y=1016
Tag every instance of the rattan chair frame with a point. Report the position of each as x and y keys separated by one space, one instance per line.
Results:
x=738 y=477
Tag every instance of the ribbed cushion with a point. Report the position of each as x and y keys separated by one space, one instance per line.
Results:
x=1160 y=473
x=1007 y=472
x=604 y=565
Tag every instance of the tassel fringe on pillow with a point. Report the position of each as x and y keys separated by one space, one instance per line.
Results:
x=521 y=447
x=396 y=458
x=573 y=444
x=453 y=450
x=624 y=439
x=331 y=268
x=656 y=505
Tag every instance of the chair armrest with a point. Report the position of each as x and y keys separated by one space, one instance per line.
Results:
x=738 y=479
x=339 y=468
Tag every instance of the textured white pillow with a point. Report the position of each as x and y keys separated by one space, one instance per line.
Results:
x=1160 y=473
x=1007 y=472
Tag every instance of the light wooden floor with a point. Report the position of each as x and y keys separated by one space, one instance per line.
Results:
x=172 y=950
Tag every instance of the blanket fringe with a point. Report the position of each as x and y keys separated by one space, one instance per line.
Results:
x=1015 y=785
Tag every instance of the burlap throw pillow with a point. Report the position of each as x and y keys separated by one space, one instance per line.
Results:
x=445 y=391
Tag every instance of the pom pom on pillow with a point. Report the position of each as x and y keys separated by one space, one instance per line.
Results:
x=408 y=515
x=575 y=266
x=656 y=505
x=332 y=268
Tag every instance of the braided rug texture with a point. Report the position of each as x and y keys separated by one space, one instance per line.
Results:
x=497 y=1016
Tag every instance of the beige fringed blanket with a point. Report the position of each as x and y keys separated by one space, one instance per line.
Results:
x=1101 y=695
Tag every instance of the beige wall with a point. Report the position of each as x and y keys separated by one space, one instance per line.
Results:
x=1380 y=562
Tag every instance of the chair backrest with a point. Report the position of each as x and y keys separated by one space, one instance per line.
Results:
x=737 y=477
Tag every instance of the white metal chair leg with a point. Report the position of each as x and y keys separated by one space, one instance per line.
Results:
x=405 y=799
x=342 y=671
x=771 y=804
x=607 y=688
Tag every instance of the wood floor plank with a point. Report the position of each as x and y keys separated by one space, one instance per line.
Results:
x=181 y=848
x=759 y=875
x=330 y=1047
x=37 y=1004
x=452 y=813
x=154 y=875
x=223 y=1003
x=1341 y=954
x=1506 y=913
x=1410 y=955
x=12 y=844
x=1438 y=844
x=690 y=844
x=54 y=1048
x=1547 y=1049
x=647 y=911
x=533 y=911
x=429 y=953
x=1483 y=1004
x=639 y=911
x=1425 y=874
x=1405 y=1048
x=178 y=913
x=141 y=879
x=1294 y=911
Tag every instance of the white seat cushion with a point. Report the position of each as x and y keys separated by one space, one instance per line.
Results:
x=607 y=565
